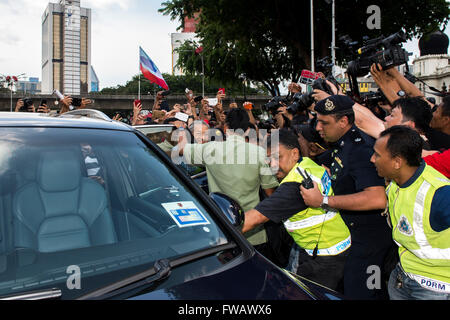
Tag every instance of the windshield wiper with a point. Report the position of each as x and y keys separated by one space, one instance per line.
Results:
x=35 y=295
x=160 y=270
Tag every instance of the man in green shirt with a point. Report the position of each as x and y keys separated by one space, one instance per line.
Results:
x=234 y=167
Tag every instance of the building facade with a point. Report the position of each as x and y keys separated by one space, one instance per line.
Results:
x=434 y=70
x=433 y=65
x=178 y=39
x=32 y=86
x=66 y=48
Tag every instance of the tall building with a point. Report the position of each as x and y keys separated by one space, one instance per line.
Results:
x=66 y=48
x=178 y=39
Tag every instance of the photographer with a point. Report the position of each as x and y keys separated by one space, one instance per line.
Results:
x=413 y=112
x=160 y=103
x=76 y=103
x=25 y=105
x=139 y=118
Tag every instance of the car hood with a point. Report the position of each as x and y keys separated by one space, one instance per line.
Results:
x=254 y=279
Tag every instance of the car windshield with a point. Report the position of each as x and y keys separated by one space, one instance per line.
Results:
x=98 y=204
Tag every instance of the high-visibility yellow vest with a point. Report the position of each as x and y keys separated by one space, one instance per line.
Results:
x=424 y=253
x=306 y=226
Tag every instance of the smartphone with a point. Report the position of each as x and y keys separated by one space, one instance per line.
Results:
x=137 y=102
x=43 y=102
x=198 y=99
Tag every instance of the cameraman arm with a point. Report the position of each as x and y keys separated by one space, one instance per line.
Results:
x=366 y=121
x=410 y=89
x=387 y=84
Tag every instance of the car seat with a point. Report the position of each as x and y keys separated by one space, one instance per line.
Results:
x=61 y=210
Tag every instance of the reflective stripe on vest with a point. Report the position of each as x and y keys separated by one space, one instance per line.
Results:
x=428 y=283
x=426 y=251
x=334 y=250
x=315 y=226
x=309 y=222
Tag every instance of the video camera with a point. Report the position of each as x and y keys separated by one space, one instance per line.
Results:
x=273 y=105
x=304 y=101
x=371 y=100
x=384 y=51
x=324 y=65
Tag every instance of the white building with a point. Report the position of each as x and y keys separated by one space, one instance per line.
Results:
x=66 y=48
x=433 y=65
x=178 y=39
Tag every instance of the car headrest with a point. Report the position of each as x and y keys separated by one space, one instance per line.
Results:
x=59 y=171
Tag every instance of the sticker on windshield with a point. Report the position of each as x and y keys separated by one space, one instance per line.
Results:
x=185 y=214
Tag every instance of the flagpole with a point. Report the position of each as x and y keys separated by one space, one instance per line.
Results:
x=139 y=85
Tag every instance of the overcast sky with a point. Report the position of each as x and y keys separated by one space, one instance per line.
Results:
x=119 y=27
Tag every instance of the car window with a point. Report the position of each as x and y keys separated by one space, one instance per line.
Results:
x=157 y=133
x=97 y=200
x=166 y=137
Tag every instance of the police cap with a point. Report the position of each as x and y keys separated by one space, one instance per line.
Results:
x=334 y=104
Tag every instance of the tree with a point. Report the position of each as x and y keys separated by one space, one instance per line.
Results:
x=268 y=41
x=178 y=84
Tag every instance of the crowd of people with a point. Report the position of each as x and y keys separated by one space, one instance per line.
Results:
x=352 y=196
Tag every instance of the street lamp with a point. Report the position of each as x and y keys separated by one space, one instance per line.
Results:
x=199 y=51
x=10 y=81
x=333 y=34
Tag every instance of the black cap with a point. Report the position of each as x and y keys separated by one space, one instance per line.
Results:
x=334 y=104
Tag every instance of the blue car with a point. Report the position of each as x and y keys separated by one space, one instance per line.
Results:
x=92 y=209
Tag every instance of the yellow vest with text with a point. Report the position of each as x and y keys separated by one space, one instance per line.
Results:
x=424 y=253
x=306 y=226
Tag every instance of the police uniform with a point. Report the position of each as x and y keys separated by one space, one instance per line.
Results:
x=322 y=237
x=351 y=172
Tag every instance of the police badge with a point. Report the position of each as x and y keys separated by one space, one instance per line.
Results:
x=329 y=105
x=405 y=227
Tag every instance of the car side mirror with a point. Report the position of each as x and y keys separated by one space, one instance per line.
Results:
x=230 y=207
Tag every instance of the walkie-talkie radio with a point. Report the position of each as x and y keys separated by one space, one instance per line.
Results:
x=307 y=182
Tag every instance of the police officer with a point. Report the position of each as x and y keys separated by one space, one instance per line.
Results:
x=323 y=240
x=419 y=198
x=359 y=196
